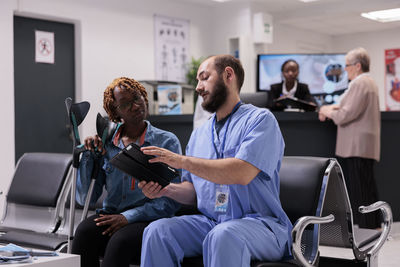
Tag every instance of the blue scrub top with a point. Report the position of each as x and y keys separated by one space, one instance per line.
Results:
x=253 y=135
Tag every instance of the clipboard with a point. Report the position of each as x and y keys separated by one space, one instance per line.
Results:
x=294 y=102
x=132 y=161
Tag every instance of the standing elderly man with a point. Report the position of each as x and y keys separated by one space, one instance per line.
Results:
x=231 y=171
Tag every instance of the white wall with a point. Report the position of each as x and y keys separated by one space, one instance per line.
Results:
x=291 y=40
x=113 y=38
x=375 y=43
x=7 y=96
x=235 y=20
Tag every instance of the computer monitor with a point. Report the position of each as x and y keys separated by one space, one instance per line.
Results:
x=324 y=73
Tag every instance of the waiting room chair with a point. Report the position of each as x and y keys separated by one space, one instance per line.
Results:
x=303 y=185
x=258 y=99
x=364 y=243
x=35 y=201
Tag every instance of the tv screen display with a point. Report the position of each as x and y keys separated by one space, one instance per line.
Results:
x=324 y=73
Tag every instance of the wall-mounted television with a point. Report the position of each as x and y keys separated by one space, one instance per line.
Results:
x=324 y=73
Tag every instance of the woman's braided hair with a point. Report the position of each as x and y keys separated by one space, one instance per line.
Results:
x=123 y=83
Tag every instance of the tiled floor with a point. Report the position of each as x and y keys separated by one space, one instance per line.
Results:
x=389 y=255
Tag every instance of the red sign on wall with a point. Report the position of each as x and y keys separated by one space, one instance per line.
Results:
x=392 y=79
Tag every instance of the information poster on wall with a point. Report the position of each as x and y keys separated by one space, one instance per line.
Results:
x=171 y=42
x=169 y=99
x=44 y=47
x=392 y=79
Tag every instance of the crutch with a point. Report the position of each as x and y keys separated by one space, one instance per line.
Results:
x=105 y=129
x=76 y=114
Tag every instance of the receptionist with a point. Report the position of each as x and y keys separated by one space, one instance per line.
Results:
x=290 y=86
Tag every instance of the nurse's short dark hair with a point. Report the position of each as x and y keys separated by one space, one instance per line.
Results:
x=223 y=61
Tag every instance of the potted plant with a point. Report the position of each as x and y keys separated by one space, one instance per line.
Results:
x=192 y=74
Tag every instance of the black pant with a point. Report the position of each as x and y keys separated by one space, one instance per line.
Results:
x=119 y=250
x=362 y=189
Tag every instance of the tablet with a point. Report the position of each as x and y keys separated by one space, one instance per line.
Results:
x=134 y=162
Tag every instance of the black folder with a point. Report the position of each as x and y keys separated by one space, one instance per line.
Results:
x=134 y=162
x=294 y=102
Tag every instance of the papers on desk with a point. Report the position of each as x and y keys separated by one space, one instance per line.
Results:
x=16 y=254
x=7 y=255
x=293 y=102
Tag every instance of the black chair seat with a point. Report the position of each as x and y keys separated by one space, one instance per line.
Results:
x=198 y=262
x=275 y=264
x=365 y=237
x=46 y=241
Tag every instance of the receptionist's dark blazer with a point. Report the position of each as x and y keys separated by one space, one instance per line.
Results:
x=302 y=92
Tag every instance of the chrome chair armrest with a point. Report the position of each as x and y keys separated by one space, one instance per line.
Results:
x=387 y=222
x=297 y=234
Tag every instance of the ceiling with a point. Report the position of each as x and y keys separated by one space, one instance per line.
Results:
x=334 y=17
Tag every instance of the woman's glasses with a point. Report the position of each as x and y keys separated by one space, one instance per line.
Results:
x=128 y=105
x=348 y=65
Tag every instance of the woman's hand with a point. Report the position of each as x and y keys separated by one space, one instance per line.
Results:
x=115 y=222
x=94 y=142
x=321 y=117
x=326 y=111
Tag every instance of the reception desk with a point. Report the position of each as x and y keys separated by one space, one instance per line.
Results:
x=305 y=135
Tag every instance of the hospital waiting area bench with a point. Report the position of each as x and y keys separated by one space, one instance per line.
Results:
x=313 y=194
x=34 y=203
x=36 y=213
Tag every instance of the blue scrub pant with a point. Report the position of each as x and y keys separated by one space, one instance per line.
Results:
x=232 y=243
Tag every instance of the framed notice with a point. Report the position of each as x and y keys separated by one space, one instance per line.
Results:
x=171 y=41
x=44 y=47
x=169 y=99
x=392 y=79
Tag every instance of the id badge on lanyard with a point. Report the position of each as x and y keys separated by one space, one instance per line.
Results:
x=221 y=190
x=221 y=194
x=221 y=198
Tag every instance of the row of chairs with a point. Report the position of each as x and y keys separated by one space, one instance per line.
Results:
x=313 y=194
x=36 y=212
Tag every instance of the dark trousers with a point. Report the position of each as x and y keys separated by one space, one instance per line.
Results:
x=119 y=250
x=362 y=189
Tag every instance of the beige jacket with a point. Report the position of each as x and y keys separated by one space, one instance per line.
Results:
x=359 y=120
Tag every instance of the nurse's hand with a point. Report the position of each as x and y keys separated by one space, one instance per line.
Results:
x=152 y=189
x=164 y=155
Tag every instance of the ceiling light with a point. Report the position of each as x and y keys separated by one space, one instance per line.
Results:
x=386 y=15
x=221 y=1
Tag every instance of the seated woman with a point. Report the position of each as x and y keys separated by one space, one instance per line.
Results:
x=290 y=86
x=115 y=232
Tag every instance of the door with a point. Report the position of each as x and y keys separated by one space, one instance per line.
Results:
x=41 y=88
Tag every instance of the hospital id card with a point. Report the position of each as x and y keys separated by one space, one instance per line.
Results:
x=221 y=198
